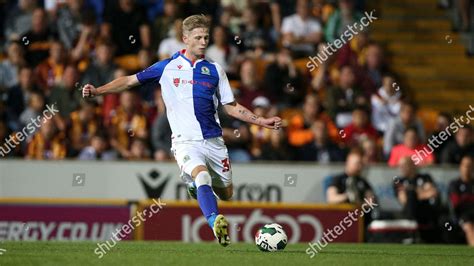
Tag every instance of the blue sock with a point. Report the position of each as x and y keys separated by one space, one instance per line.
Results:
x=208 y=203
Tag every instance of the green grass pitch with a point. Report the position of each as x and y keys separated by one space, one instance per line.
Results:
x=177 y=253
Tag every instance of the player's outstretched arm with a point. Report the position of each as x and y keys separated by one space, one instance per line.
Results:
x=115 y=86
x=238 y=111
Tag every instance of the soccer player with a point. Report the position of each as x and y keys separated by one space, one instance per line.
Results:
x=191 y=88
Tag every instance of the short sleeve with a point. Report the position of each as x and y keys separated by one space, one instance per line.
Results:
x=152 y=73
x=225 y=91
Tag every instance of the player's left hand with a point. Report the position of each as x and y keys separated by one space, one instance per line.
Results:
x=272 y=122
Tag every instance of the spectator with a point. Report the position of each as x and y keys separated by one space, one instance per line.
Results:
x=252 y=34
x=322 y=9
x=280 y=9
x=419 y=197
x=111 y=102
x=222 y=52
x=165 y=22
x=385 y=103
x=461 y=146
x=102 y=68
x=97 y=150
x=127 y=124
x=321 y=149
x=283 y=80
x=139 y=150
x=466 y=11
x=19 y=95
x=353 y=51
x=34 y=108
x=413 y=148
x=339 y=21
x=127 y=26
x=249 y=87
x=174 y=43
x=50 y=72
x=442 y=123
x=10 y=67
x=86 y=41
x=37 y=40
x=372 y=153
x=299 y=132
x=161 y=131
x=300 y=31
x=83 y=125
x=47 y=144
x=67 y=95
x=461 y=198
x=343 y=98
x=396 y=129
x=350 y=186
x=360 y=128
x=267 y=144
x=372 y=69
x=70 y=19
x=19 y=19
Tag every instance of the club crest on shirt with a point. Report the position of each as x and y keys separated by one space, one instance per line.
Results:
x=176 y=81
x=205 y=71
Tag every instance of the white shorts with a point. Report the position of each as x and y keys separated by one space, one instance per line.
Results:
x=211 y=153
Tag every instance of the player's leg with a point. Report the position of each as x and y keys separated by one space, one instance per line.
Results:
x=192 y=162
x=208 y=204
x=224 y=193
x=219 y=167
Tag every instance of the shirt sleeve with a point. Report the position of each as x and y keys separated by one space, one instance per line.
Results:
x=225 y=91
x=152 y=73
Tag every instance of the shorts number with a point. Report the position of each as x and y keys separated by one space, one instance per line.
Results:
x=225 y=165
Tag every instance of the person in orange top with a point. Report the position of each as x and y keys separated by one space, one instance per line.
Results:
x=47 y=144
x=50 y=72
x=299 y=129
x=127 y=123
x=410 y=147
x=83 y=125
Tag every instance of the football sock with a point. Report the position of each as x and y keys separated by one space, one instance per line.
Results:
x=206 y=199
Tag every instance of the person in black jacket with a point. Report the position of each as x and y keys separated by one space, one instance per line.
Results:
x=418 y=195
x=461 y=198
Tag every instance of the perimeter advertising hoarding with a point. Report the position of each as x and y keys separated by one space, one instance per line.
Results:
x=65 y=220
x=183 y=221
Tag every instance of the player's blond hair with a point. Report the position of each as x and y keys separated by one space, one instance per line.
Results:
x=195 y=21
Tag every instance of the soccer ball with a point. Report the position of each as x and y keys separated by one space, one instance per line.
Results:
x=271 y=237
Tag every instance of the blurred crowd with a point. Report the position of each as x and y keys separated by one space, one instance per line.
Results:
x=419 y=196
x=52 y=48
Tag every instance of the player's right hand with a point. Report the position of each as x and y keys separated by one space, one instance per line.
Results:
x=89 y=91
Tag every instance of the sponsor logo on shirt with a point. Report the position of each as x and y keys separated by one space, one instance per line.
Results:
x=176 y=82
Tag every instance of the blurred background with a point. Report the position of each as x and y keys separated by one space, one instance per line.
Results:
x=360 y=120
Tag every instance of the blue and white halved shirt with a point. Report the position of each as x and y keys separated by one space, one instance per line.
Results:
x=191 y=93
